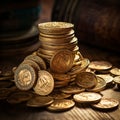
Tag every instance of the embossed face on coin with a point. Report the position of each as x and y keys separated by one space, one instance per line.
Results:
x=45 y=83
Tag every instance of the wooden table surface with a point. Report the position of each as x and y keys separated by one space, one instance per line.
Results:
x=82 y=112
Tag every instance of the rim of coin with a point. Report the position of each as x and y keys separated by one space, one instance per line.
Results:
x=39 y=101
x=19 y=97
x=55 y=27
x=72 y=89
x=87 y=97
x=62 y=61
x=86 y=80
x=70 y=33
x=117 y=79
x=115 y=71
x=44 y=84
x=100 y=65
x=25 y=76
x=61 y=105
x=107 y=77
x=38 y=60
x=106 y=103
x=101 y=84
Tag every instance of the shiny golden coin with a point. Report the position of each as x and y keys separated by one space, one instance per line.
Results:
x=38 y=60
x=79 y=68
x=59 y=95
x=115 y=71
x=86 y=80
x=100 y=65
x=40 y=101
x=25 y=76
x=45 y=83
x=72 y=89
x=87 y=97
x=90 y=70
x=106 y=103
x=19 y=97
x=117 y=79
x=101 y=84
x=107 y=77
x=55 y=27
x=61 y=105
x=62 y=61
x=70 y=33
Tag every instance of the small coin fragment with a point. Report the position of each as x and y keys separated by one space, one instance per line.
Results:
x=115 y=71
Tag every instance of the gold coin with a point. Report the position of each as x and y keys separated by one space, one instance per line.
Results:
x=25 y=76
x=70 y=33
x=87 y=97
x=115 y=71
x=72 y=89
x=57 y=94
x=38 y=60
x=106 y=103
x=40 y=101
x=100 y=65
x=107 y=77
x=55 y=27
x=61 y=105
x=62 y=61
x=117 y=79
x=101 y=84
x=79 y=68
x=45 y=83
x=19 y=97
x=61 y=83
x=86 y=80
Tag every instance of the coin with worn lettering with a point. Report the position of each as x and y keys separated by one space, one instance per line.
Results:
x=25 y=77
x=101 y=84
x=55 y=27
x=87 y=97
x=62 y=61
x=115 y=71
x=72 y=89
x=44 y=84
x=38 y=60
x=40 y=101
x=61 y=105
x=19 y=97
x=106 y=104
x=86 y=80
x=100 y=65
x=117 y=79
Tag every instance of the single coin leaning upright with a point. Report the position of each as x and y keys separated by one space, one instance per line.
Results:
x=86 y=80
x=62 y=61
x=45 y=83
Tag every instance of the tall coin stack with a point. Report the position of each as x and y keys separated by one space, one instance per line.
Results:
x=59 y=48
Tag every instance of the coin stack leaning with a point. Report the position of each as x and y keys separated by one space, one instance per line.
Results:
x=59 y=48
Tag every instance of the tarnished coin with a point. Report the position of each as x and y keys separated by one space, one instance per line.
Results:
x=72 y=89
x=25 y=76
x=106 y=103
x=87 y=97
x=86 y=80
x=117 y=79
x=45 y=83
x=107 y=77
x=100 y=65
x=62 y=61
x=38 y=60
x=57 y=94
x=19 y=97
x=40 y=101
x=79 y=68
x=115 y=71
x=55 y=27
x=61 y=105
x=101 y=84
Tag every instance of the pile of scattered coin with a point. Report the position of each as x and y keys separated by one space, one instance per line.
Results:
x=57 y=76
